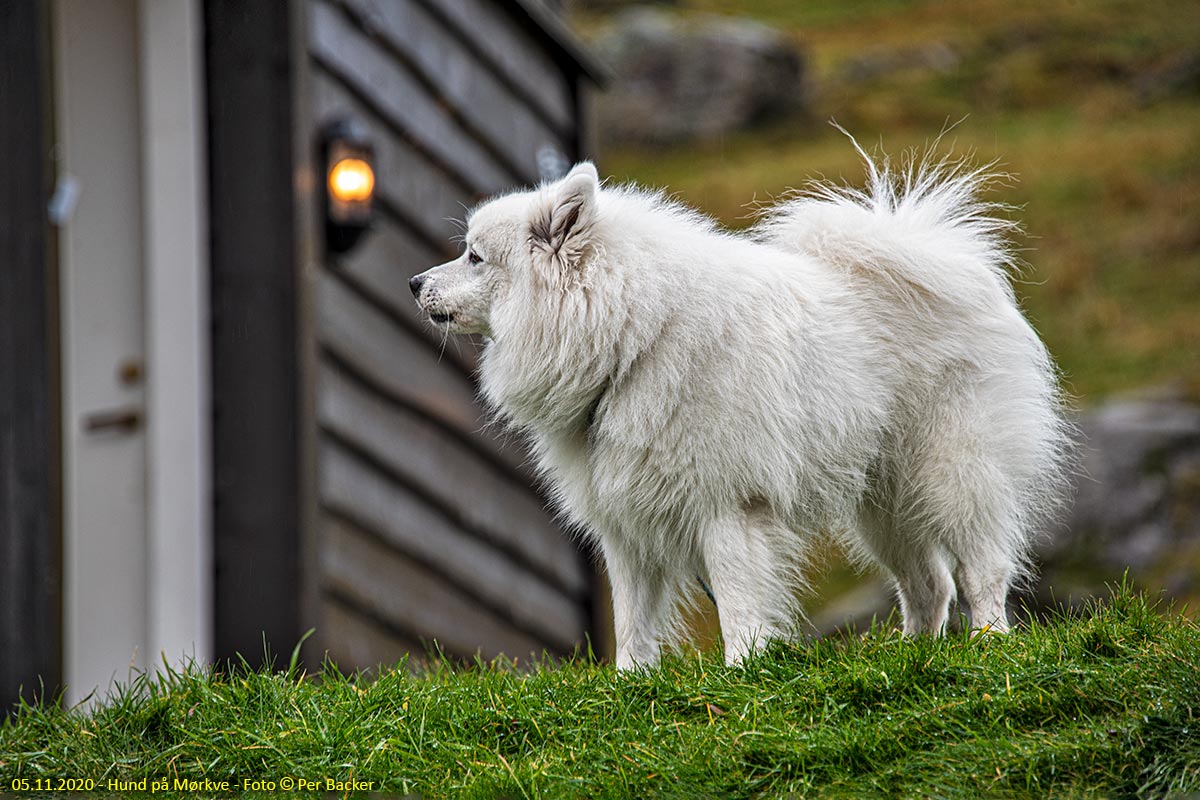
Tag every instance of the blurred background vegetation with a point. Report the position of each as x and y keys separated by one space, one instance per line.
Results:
x=1093 y=108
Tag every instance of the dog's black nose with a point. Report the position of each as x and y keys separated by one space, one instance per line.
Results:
x=415 y=282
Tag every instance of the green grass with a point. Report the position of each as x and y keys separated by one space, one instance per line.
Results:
x=1106 y=704
x=1107 y=179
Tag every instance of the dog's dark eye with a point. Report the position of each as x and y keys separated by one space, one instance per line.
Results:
x=474 y=257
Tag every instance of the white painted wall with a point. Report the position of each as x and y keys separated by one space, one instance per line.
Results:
x=134 y=312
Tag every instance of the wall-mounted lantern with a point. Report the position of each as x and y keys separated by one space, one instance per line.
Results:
x=348 y=159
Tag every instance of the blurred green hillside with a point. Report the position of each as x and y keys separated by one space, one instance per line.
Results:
x=1093 y=107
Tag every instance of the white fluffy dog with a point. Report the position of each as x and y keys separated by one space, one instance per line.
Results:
x=707 y=403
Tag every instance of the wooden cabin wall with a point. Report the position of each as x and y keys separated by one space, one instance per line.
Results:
x=427 y=527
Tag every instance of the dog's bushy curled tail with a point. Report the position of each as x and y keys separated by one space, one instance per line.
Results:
x=920 y=225
x=920 y=232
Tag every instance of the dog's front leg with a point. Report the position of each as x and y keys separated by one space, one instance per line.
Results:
x=640 y=600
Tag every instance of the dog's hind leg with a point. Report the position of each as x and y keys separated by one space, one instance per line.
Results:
x=919 y=570
x=984 y=575
x=925 y=587
x=752 y=567
x=642 y=597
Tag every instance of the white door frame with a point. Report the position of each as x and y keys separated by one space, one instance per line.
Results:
x=175 y=249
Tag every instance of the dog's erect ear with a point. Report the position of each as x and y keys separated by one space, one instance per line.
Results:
x=562 y=226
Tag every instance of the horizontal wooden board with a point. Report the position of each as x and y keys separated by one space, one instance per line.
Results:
x=344 y=51
x=396 y=249
x=485 y=500
x=354 y=641
x=401 y=519
x=412 y=599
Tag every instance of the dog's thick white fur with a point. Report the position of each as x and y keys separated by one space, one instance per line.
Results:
x=707 y=403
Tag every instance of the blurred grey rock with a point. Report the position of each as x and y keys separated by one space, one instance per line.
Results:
x=1138 y=491
x=699 y=78
x=1137 y=503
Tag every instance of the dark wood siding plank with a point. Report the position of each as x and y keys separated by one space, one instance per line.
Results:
x=454 y=516
x=30 y=529
x=496 y=451
x=385 y=259
x=456 y=171
x=355 y=640
x=361 y=65
x=409 y=598
x=499 y=509
x=403 y=521
x=415 y=230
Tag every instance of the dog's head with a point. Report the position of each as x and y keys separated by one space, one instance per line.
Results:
x=515 y=245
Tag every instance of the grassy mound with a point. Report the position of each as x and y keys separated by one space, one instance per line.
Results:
x=1102 y=704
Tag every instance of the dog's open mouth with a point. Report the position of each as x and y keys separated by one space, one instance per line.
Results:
x=441 y=318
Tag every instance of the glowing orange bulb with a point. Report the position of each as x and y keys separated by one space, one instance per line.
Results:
x=351 y=180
